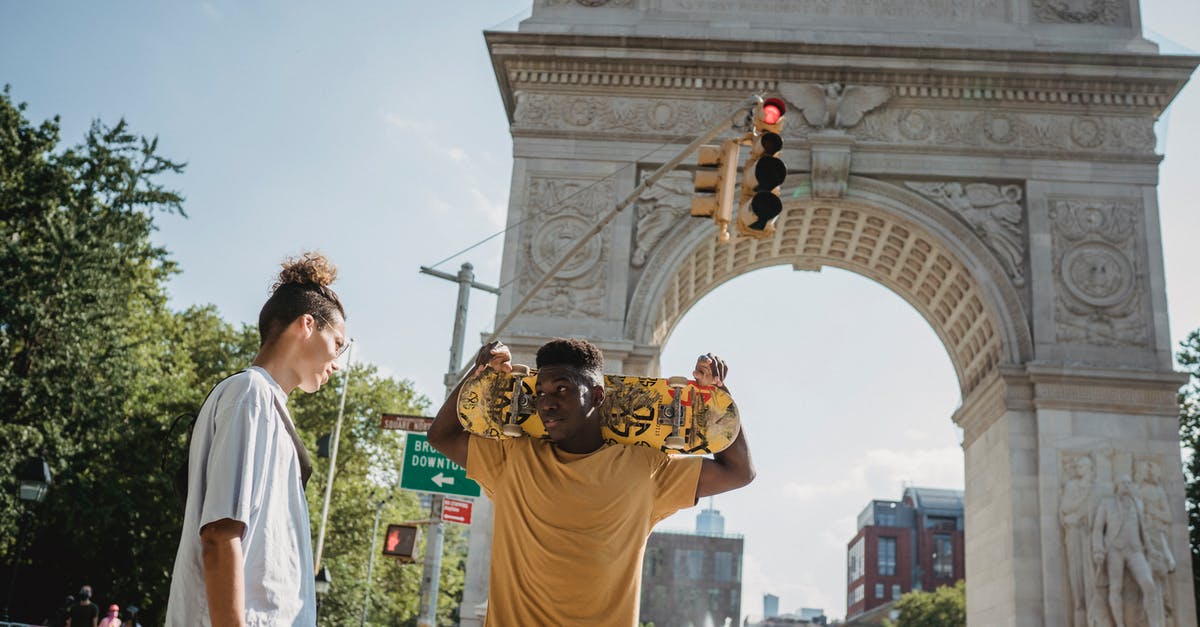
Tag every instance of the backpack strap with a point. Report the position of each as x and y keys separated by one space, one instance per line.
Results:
x=302 y=455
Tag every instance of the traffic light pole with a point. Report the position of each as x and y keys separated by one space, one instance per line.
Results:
x=725 y=124
x=430 y=578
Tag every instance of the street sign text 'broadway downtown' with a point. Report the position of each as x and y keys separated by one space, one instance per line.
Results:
x=426 y=470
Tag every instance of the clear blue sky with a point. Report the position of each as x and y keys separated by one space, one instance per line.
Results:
x=374 y=132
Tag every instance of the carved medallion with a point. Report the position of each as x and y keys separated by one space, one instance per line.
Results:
x=555 y=237
x=1101 y=298
x=1097 y=274
x=915 y=125
x=1087 y=132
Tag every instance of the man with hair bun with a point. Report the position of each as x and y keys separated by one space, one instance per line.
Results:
x=572 y=514
x=245 y=556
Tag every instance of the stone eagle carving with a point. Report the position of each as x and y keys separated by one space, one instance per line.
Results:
x=834 y=105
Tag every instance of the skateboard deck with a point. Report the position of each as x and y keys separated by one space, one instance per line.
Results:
x=673 y=415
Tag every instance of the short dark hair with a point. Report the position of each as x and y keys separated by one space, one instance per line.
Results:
x=581 y=355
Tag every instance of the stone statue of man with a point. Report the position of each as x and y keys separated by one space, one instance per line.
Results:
x=1074 y=513
x=1158 y=526
x=1119 y=542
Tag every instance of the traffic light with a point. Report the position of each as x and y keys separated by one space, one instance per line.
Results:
x=763 y=173
x=400 y=542
x=715 y=181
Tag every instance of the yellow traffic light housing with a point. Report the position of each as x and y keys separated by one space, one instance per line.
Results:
x=763 y=173
x=715 y=181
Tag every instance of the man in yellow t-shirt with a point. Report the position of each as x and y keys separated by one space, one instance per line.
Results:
x=572 y=514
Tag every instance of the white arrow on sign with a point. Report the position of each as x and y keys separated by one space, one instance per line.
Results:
x=442 y=480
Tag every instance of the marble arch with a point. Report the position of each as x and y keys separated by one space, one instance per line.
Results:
x=884 y=232
x=1002 y=177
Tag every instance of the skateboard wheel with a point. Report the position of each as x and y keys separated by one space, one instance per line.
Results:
x=677 y=382
x=520 y=370
x=674 y=442
x=515 y=431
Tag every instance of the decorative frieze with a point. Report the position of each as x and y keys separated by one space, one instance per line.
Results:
x=940 y=10
x=999 y=131
x=563 y=210
x=1097 y=272
x=993 y=211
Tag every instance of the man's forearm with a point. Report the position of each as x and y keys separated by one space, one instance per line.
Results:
x=736 y=458
x=223 y=581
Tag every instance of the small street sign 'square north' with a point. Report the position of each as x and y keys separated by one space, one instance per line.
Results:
x=426 y=470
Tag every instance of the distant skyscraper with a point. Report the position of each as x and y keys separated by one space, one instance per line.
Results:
x=710 y=522
x=770 y=606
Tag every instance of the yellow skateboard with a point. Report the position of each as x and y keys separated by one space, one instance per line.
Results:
x=674 y=415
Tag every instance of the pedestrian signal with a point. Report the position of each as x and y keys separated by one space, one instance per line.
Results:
x=400 y=542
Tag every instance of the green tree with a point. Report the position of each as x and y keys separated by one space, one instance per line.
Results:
x=94 y=367
x=944 y=607
x=1189 y=435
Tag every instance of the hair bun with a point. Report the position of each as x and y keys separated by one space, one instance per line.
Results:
x=311 y=268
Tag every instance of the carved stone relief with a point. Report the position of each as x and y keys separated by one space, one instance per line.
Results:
x=1008 y=132
x=562 y=211
x=1115 y=531
x=1077 y=11
x=589 y=3
x=664 y=205
x=955 y=10
x=1097 y=273
x=834 y=105
x=994 y=212
x=592 y=113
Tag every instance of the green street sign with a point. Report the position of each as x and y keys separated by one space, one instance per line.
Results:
x=426 y=470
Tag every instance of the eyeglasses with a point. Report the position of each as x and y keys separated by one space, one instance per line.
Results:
x=345 y=346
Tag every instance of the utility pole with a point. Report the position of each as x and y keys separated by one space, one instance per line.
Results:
x=430 y=579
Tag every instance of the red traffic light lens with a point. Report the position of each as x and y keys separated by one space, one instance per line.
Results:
x=773 y=109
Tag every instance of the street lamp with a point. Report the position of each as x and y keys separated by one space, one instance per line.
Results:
x=321 y=585
x=33 y=481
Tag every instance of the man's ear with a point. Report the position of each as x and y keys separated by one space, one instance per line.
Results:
x=598 y=395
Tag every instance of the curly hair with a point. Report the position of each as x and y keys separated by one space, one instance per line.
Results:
x=302 y=288
x=581 y=355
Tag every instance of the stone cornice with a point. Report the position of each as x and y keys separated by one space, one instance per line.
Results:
x=575 y=62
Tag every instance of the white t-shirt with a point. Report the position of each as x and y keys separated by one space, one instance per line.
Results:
x=242 y=465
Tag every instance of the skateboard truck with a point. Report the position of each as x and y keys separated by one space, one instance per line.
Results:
x=675 y=441
x=511 y=427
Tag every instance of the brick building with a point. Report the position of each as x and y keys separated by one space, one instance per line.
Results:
x=915 y=543
x=690 y=577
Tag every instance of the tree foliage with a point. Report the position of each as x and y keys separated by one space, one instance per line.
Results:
x=943 y=607
x=1189 y=435
x=95 y=367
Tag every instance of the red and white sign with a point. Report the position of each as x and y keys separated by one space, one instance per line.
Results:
x=456 y=511
x=403 y=422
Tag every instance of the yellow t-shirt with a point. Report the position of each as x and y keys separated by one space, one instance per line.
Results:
x=570 y=529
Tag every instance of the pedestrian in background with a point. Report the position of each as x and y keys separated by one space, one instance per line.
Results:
x=85 y=613
x=111 y=620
